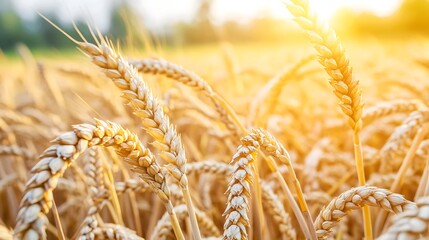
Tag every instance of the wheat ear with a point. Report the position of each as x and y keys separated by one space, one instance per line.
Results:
x=356 y=198
x=275 y=149
x=239 y=187
x=236 y=212
x=412 y=224
x=347 y=89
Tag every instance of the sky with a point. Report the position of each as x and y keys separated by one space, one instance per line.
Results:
x=158 y=14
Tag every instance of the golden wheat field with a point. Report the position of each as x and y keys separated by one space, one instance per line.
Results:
x=313 y=139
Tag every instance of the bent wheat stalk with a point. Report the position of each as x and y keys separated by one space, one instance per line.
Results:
x=54 y=161
x=270 y=93
x=384 y=109
x=356 y=198
x=180 y=74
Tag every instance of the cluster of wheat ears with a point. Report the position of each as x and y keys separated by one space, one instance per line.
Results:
x=226 y=176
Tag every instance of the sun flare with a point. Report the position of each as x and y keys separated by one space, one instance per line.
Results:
x=326 y=9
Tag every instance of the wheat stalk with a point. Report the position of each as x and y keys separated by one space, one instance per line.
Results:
x=346 y=88
x=276 y=150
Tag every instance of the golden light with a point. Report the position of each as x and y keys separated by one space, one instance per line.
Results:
x=326 y=9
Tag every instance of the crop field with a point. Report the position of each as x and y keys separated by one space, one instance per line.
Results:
x=314 y=139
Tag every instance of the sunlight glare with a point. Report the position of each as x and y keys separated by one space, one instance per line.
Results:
x=326 y=9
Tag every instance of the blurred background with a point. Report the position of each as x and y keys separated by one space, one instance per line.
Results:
x=172 y=23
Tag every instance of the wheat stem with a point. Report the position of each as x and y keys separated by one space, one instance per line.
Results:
x=60 y=231
x=361 y=177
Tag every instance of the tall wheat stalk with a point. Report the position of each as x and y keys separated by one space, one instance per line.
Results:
x=333 y=58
